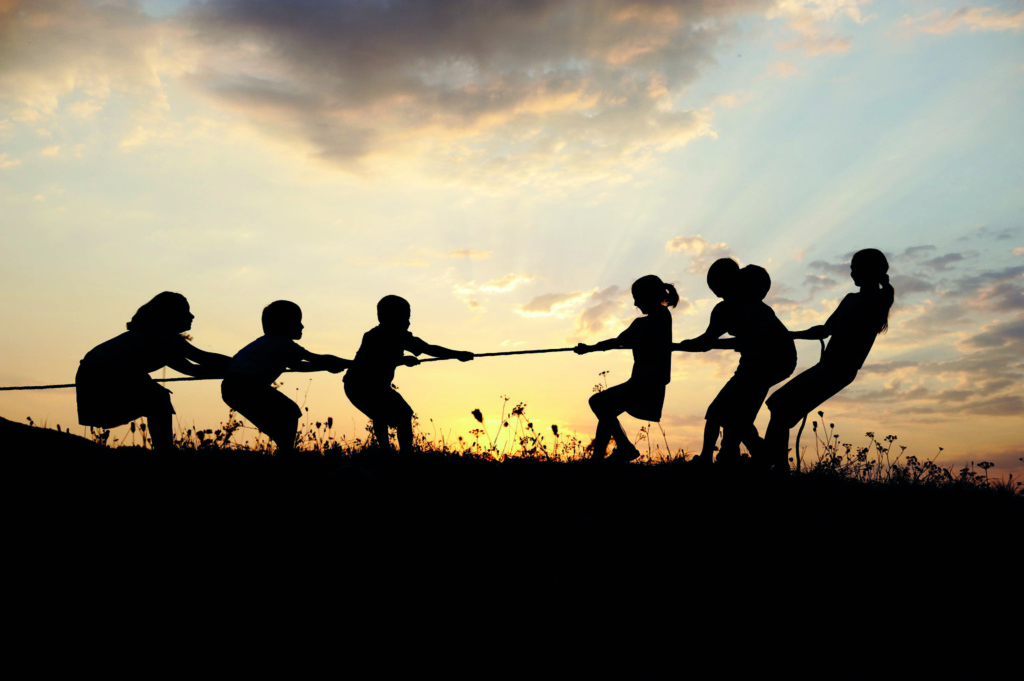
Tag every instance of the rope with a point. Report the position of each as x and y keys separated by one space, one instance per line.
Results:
x=72 y=385
x=499 y=354
x=209 y=378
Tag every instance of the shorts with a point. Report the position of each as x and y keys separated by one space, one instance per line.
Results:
x=379 y=403
x=106 y=400
x=265 y=407
x=740 y=399
x=808 y=391
x=642 y=401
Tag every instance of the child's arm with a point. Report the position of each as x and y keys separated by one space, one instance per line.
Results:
x=610 y=344
x=709 y=340
x=199 y=363
x=442 y=353
x=813 y=333
x=310 y=361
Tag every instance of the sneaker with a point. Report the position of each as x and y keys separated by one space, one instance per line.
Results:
x=624 y=454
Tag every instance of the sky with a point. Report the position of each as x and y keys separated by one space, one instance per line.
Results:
x=510 y=168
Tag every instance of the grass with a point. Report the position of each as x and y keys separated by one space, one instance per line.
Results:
x=480 y=517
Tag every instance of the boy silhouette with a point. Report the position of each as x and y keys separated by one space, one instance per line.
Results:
x=247 y=388
x=767 y=355
x=368 y=381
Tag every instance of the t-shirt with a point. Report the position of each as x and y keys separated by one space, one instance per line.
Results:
x=763 y=341
x=853 y=328
x=650 y=337
x=265 y=359
x=136 y=352
x=380 y=352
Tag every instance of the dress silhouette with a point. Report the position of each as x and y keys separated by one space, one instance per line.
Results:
x=643 y=395
x=113 y=385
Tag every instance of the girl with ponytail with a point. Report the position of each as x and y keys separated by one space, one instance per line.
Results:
x=851 y=330
x=643 y=395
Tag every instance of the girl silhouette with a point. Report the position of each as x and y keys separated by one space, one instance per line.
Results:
x=643 y=395
x=113 y=384
x=852 y=330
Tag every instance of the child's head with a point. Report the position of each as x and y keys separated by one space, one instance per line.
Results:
x=870 y=270
x=167 y=313
x=394 y=311
x=754 y=282
x=722 y=277
x=868 y=267
x=283 y=318
x=650 y=291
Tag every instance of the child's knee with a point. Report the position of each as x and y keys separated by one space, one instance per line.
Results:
x=598 y=404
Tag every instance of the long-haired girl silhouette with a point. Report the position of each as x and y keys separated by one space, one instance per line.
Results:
x=851 y=330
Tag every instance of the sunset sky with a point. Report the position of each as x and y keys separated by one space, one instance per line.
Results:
x=511 y=167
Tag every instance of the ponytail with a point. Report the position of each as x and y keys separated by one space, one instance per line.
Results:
x=651 y=287
x=671 y=295
x=887 y=295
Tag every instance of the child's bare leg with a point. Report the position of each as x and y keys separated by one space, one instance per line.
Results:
x=776 y=444
x=404 y=437
x=618 y=434
x=380 y=431
x=160 y=431
x=707 y=452
x=283 y=436
x=730 y=449
x=601 y=439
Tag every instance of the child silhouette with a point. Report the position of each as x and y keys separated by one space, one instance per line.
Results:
x=767 y=355
x=113 y=385
x=368 y=381
x=643 y=395
x=852 y=330
x=247 y=387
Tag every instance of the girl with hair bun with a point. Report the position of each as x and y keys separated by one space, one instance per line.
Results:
x=113 y=386
x=643 y=395
x=851 y=330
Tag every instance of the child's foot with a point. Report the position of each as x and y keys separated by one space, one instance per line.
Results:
x=700 y=461
x=624 y=454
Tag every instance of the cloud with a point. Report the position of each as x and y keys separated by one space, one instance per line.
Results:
x=811 y=20
x=915 y=251
x=905 y=284
x=782 y=69
x=553 y=304
x=472 y=255
x=1018 y=251
x=700 y=250
x=602 y=311
x=548 y=90
x=942 y=263
x=506 y=283
x=972 y=18
x=6 y=161
x=59 y=52
x=51 y=150
x=818 y=282
x=839 y=270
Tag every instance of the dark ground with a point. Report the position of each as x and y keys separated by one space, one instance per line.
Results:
x=374 y=541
